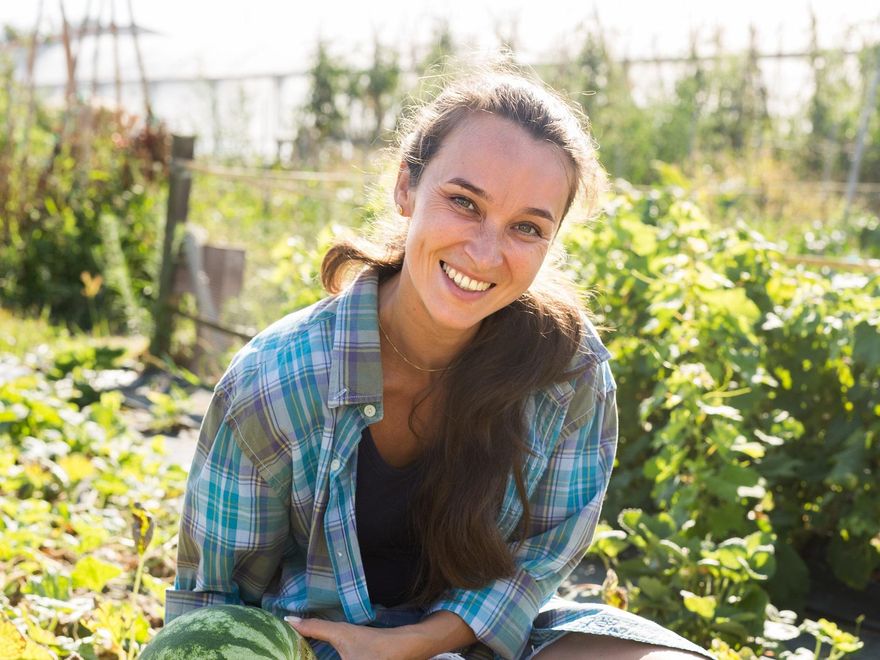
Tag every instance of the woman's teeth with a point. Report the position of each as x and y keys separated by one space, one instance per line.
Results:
x=463 y=281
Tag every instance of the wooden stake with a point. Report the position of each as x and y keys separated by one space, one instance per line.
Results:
x=179 y=185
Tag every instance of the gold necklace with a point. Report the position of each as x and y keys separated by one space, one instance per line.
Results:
x=405 y=359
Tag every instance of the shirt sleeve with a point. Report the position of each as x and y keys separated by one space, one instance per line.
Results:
x=565 y=509
x=233 y=525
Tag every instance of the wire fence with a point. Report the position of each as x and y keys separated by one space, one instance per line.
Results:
x=324 y=184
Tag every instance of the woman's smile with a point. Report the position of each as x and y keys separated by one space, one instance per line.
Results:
x=464 y=282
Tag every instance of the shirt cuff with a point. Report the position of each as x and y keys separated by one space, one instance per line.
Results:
x=179 y=601
x=500 y=614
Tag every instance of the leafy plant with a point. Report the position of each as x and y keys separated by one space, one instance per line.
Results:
x=79 y=196
x=69 y=475
x=748 y=416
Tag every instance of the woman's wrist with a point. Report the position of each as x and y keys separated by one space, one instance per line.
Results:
x=437 y=633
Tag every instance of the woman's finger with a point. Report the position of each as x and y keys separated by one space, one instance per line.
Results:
x=326 y=631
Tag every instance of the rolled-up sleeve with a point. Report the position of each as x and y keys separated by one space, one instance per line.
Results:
x=565 y=509
x=233 y=525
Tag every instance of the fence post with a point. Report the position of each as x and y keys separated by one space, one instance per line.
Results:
x=179 y=184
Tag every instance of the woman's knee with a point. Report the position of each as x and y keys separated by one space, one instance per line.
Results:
x=581 y=645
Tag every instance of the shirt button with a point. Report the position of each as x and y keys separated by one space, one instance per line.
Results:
x=370 y=410
x=334 y=464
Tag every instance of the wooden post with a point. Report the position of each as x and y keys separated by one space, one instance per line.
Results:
x=179 y=184
x=209 y=342
x=867 y=111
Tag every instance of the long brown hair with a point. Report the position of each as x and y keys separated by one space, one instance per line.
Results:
x=528 y=345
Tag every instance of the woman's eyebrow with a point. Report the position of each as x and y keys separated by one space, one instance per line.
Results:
x=467 y=185
x=479 y=192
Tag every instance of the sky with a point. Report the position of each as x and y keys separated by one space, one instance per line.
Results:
x=197 y=39
x=259 y=36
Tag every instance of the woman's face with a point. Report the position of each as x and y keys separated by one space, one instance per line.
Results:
x=482 y=218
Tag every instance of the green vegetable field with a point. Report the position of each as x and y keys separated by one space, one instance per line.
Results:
x=749 y=413
x=739 y=298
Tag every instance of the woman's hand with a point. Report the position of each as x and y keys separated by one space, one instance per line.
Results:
x=354 y=642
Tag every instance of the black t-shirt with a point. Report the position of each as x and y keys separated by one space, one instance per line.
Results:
x=382 y=504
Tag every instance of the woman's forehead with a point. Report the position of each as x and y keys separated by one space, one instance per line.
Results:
x=503 y=159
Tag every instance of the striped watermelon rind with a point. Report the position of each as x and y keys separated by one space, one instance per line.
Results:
x=227 y=632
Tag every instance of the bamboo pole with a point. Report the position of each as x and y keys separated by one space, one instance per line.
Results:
x=7 y=156
x=867 y=110
x=29 y=83
x=99 y=33
x=117 y=74
x=69 y=59
x=242 y=333
x=141 y=69
x=86 y=125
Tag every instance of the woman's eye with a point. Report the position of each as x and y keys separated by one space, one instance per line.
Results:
x=529 y=229
x=464 y=203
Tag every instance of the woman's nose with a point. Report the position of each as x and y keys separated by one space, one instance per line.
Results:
x=485 y=247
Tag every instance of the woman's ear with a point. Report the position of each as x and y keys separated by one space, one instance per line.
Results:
x=403 y=191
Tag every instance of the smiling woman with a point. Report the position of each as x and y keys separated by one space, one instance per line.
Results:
x=481 y=218
x=413 y=465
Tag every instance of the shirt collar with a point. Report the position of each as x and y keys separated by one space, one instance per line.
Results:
x=356 y=363
x=356 y=368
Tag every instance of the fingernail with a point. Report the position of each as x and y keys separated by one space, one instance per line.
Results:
x=293 y=619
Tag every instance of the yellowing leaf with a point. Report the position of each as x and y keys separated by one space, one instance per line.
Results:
x=37 y=636
x=701 y=605
x=141 y=527
x=92 y=573
x=77 y=467
x=158 y=445
x=12 y=642
x=612 y=593
x=34 y=651
x=37 y=475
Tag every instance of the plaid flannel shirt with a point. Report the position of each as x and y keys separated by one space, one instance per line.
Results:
x=268 y=516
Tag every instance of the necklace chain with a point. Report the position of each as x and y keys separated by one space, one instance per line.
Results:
x=405 y=359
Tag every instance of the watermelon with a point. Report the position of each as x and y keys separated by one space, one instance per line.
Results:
x=227 y=632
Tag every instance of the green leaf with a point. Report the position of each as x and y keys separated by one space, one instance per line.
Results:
x=92 y=573
x=99 y=175
x=727 y=300
x=642 y=237
x=609 y=542
x=791 y=581
x=848 y=462
x=853 y=561
x=733 y=628
x=51 y=586
x=654 y=589
x=866 y=346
